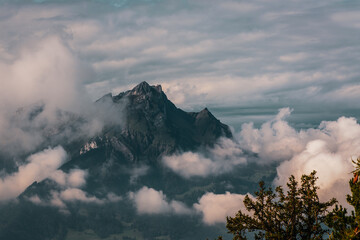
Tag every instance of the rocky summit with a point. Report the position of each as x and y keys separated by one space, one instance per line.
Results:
x=154 y=126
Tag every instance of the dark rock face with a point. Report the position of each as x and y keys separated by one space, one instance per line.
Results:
x=155 y=126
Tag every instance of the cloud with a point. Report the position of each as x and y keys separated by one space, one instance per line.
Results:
x=328 y=149
x=175 y=43
x=75 y=178
x=35 y=199
x=216 y=207
x=293 y=57
x=222 y=158
x=37 y=167
x=43 y=97
x=70 y=191
x=44 y=71
x=34 y=84
x=240 y=7
x=276 y=140
x=330 y=157
x=348 y=19
x=150 y=201
x=60 y=199
x=44 y=165
x=137 y=172
x=112 y=197
x=75 y=194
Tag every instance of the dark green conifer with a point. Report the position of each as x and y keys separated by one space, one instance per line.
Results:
x=296 y=214
x=347 y=226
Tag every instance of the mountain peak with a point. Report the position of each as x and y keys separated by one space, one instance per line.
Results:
x=205 y=110
x=144 y=88
x=205 y=113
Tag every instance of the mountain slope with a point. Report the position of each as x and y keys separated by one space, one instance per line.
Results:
x=142 y=127
x=154 y=126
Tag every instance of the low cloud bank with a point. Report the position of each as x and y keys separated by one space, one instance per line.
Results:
x=150 y=201
x=44 y=165
x=37 y=167
x=69 y=190
x=328 y=149
x=214 y=208
x=70 y=185
x=225 y=155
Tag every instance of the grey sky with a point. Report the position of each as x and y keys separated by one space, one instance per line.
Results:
x=238 y=54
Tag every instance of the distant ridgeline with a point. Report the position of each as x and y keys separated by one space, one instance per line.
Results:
x=89 y=197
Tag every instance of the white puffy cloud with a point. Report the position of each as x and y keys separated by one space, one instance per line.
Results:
x=75 y=194
x=216 y=207
x=37 y=167
x=327 y=149
x=223 y=157
x=70 y=190
x=333 y=170
x=190 y=164
x=75 y=178
x=276 y=140
x=59 y=199
x=70 y=185
x=150 y=201
x=330 y=157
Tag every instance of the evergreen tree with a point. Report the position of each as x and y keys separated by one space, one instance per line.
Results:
x=296 y=214
x=345 y=226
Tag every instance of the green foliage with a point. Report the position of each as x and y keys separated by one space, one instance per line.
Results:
x=296 y=214
x=345 y=226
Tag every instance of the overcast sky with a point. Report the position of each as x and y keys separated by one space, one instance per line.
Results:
x=230 y=55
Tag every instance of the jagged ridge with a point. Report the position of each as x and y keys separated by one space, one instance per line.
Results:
x=155 y=126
